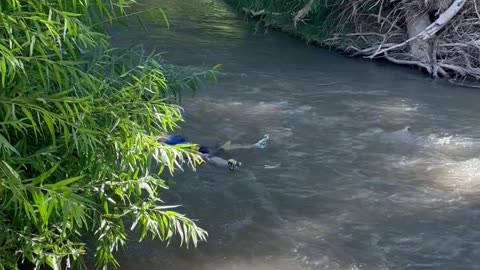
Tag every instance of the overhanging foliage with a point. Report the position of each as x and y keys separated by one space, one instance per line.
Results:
x=79 y=132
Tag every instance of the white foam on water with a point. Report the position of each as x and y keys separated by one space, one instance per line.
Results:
x=250 y=110
x=274 y=166
x=370 y=132
x=350 y=92
x=448 y=166
x=462 y=177
x=391 y=107
x=300 y=109
x=449 y=141
x=453 y=178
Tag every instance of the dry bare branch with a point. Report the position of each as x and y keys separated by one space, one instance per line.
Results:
x=442 y=20
x=302 y=13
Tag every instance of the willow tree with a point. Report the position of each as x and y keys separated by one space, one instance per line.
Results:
x=80 y=155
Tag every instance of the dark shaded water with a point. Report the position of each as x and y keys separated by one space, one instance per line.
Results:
x=337 y=188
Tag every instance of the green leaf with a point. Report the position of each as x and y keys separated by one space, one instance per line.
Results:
x=30 y=118
x=41 y=178
x=70 y=14
x=164 y=17
x=48 y=120
x=4 y=143
x=63 y=183
x=32 y=45
x=10 y=172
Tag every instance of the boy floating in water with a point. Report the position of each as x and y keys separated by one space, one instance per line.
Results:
x=208 y=153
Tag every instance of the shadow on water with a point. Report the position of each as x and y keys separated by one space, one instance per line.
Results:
x=338 y=187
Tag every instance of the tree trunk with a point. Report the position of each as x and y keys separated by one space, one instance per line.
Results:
x=420 y=49
x=422 y=31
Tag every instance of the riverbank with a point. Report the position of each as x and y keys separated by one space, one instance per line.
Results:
x=440 y=37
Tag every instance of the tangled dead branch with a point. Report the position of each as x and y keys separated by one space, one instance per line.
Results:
x=302 y=13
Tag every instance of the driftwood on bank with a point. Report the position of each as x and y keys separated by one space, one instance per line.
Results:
x=442 y=20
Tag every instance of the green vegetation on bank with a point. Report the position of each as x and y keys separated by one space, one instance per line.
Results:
x=281 y=15
x=80 y=125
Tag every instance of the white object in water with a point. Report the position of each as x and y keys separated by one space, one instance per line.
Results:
x=271 y=166
x=262 y=144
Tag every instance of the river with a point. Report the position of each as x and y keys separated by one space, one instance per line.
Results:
x=337 y=187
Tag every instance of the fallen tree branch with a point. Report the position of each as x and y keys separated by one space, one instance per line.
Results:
x=392 y=47
x=474 y=72
x=464 y=44
x=443 y=72
x=432 y=29
x=407 y=62
x=364 y=51
x=442 y=20
x=476 y=8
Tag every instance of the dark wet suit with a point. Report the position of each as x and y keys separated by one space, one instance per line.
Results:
x=208 y=153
